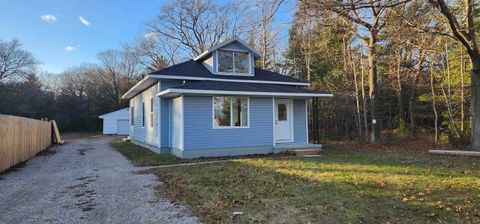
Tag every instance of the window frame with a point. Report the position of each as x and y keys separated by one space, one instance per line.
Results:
x=143 y=114
x=231 y=114
x=249 y=73
x=151 y=114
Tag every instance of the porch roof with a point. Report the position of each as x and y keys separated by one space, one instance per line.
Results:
x=250 y=89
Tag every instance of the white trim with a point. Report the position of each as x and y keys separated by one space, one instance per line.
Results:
x=231 y=115
x=233 y=49
x=159 y=116
x=151 y=113
x=170 y=123
x=223 y=80
x=101 y=116
x=205 y=53
x=273 y=121
x=249 y=93
x=135 y=86
x=306 y=120
x=182 y=135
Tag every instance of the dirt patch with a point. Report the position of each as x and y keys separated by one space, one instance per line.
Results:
x=84 y=151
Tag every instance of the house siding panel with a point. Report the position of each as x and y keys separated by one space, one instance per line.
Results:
x=299 y=121
x=146 y=135
x=176 y=111
x=200 y=134
x=165 y=133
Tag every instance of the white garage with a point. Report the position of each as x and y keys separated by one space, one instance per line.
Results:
x=116 y=122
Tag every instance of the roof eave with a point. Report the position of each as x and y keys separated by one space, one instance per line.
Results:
x=173 y=92
x=174 y=77
x=148 y=80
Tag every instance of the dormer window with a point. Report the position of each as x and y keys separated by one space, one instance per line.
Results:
x=236 y=62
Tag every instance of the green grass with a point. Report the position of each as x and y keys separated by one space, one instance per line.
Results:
x=141 y=156
x=342 y=186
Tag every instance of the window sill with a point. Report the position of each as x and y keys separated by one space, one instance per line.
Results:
x=230 y=127
x=233 y=74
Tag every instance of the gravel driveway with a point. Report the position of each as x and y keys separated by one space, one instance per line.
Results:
x=85 y=182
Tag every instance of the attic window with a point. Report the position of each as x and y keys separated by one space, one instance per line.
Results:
x=233 y=62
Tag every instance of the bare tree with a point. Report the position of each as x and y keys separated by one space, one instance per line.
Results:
x=14 y=60
x=462 y=25
x=262 y=34
x=153 y=53
x=121 y=70
x=196 y=25
x=369 y=18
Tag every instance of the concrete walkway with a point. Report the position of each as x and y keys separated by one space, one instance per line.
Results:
x=85 y=182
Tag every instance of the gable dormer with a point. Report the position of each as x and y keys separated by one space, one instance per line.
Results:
x=231 y=57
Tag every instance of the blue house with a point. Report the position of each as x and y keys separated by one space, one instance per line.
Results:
x=219 y=104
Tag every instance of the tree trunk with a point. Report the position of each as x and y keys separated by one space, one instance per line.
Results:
x=372 y=81
x=475 y=76
x=357 y=100
x=413 y=93
x=401 y=109
x=364 y=100
x=462 y=94
x=434 y=101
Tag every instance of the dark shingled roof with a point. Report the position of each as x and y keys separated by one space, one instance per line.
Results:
x=241 y=86
x=197 y=69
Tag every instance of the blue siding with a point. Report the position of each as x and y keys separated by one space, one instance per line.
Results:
x=165 y=122
x=299 y=121
x=147 y=135
x=200 y=134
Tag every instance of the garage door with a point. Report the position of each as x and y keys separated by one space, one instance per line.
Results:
x=122 y=127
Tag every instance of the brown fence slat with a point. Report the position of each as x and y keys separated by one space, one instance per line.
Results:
x=21 y=139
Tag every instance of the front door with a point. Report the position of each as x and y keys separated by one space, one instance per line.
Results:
x=283 y=120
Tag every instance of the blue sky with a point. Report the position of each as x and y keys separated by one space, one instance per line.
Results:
x=110 y=24
x=54 y=32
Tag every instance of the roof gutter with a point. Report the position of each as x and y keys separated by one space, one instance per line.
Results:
x=226 y=80
x=175 y=92
x=135 y=86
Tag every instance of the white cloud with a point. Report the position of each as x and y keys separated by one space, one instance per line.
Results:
x=84 y=21
x=150 y=36
x=69 y=48
x=48 y=18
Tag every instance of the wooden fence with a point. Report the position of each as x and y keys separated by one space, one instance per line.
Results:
x=21 y=139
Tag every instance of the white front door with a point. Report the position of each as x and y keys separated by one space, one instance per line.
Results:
x=283 y=120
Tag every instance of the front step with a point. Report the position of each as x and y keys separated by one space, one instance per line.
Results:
x=306 y=152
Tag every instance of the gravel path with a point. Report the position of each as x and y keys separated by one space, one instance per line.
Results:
x=85 y=182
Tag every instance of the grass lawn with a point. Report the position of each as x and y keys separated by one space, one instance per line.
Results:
x=342 y=186
x=141 y=156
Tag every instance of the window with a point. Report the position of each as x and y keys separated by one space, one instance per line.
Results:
x=282 y=112
x=233 y=61
x=151 y=112
x=143 y=114
x=132 y=116
x=230 y=111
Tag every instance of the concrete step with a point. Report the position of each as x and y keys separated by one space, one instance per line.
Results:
x=304 y=152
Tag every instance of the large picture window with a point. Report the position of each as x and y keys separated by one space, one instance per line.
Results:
x=233 y=62
x=230 y=111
